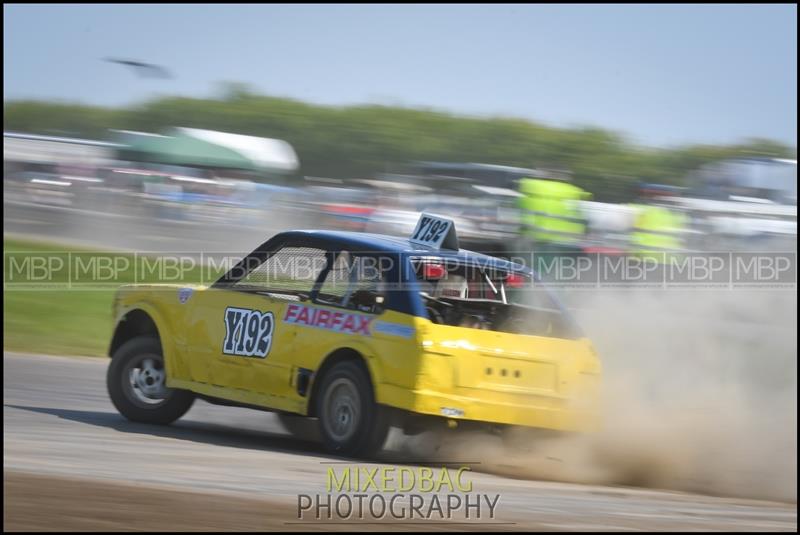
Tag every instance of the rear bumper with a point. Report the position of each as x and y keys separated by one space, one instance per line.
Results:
x=576 y=414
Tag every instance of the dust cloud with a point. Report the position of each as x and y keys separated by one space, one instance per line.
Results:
x=699 y=395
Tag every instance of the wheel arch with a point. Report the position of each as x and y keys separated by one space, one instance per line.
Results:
x=140 y=320
x=135 y=322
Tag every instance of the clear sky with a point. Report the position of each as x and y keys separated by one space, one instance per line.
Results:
x=661 y=74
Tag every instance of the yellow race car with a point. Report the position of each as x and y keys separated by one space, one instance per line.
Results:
x=361 y=332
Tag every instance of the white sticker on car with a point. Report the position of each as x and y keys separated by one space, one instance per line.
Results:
x=184 y=294
x=248 y=333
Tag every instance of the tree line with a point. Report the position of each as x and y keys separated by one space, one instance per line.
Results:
x=362 y=141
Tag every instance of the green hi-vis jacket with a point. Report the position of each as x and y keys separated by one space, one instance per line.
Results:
x=657 y=230
x=550 y=212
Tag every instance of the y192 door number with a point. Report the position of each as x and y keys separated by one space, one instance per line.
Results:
x=248 y=333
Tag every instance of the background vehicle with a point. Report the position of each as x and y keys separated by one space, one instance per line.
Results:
x=480 y=198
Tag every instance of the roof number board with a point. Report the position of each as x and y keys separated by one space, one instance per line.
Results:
x=436 y=232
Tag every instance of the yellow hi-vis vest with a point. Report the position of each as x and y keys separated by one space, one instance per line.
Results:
x=657 y=230
x=550 y=212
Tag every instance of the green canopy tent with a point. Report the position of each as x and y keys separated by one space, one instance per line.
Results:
x=182 y=150
x=210 y=149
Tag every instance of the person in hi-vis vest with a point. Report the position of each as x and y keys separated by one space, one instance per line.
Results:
x=658 y=231
x=550 y=213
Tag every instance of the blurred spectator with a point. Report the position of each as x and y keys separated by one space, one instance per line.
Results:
x=657 y=228
x=551 y=218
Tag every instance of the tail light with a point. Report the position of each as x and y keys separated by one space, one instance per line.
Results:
x=434 y=272
x=515 y=281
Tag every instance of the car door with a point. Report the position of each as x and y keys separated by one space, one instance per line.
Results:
x=245 y=343
x=350 y=309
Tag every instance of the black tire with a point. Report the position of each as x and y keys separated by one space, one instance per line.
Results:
x=366 y=432
x=123 y=392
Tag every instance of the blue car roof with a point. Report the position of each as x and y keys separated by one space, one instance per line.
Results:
x=365 y=241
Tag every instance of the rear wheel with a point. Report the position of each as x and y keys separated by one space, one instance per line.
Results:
x=350 y=422
x=136 y=382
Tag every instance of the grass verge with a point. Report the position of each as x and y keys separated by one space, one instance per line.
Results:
x=55 y=318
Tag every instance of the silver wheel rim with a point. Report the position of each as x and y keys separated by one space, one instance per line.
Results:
x=144 y=381
x=342 y=409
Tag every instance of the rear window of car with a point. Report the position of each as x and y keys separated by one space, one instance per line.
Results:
x=450 y=278
x=467 y=295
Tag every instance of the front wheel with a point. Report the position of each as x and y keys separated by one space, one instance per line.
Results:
x=136 y=382
x=350 y=422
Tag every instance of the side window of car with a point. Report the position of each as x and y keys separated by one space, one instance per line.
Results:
x=290 y=271
x=334 y=288
x=353 y=282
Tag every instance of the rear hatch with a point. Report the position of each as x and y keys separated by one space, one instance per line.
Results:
x=514 y=363
x=508 y=332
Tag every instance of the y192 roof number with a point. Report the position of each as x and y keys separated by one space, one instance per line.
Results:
x=430 y=230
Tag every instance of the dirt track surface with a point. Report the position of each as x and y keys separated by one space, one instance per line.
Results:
x=38 y=502
x=72 y=463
